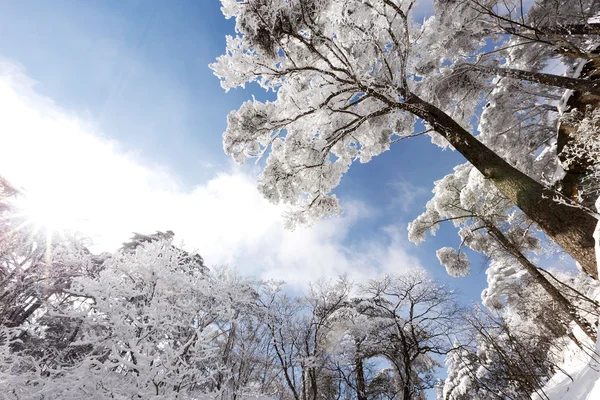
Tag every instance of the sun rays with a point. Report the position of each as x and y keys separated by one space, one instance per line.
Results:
x=39 y=224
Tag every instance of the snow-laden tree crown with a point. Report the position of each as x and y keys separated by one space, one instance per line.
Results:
x=354 y=77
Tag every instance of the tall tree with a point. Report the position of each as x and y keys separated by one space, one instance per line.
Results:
x=531 y=38
x=421 y=318
x=489 y=224
x=347 y=76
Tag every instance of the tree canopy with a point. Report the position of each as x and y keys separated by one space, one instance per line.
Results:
x=354 y=77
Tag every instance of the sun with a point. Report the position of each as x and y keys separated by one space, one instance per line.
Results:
x=44 y=215
x=49 y=213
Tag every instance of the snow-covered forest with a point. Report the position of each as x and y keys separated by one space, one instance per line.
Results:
x=512 y=86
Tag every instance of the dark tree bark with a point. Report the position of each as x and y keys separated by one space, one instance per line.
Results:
x=361 y=392
x=571 y=228
x=565 y=82
x=566 y=30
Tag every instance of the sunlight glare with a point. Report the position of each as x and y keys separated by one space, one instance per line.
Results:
x=49 y=213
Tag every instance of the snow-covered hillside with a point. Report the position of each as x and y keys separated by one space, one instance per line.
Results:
x=580 y=379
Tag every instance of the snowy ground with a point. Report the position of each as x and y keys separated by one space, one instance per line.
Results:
x=584 y=370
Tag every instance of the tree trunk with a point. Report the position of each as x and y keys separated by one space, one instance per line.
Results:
x=304 y=382
x=565 y=82
x=226 y=352
x=314 y=384
x=570 y=227
x=407 y=391
x=567 y=30
x=284 y=366
x=535 y=273
x=361 y=392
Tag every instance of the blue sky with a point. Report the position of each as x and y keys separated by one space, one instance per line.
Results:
x=118 y=103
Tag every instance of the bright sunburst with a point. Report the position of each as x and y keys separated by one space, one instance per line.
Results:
x=45 y=214
x=48 y=213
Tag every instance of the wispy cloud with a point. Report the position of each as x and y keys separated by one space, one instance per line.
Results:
x=406 y=194
x=87 y=182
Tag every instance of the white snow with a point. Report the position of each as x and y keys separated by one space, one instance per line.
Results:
x=585 y=372
x=584 y=369
x=594 y=20
x=562 y=104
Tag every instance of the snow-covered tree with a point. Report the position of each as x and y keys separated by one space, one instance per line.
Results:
x=421 y=318
x=505 y=358
x=299 y=329
x=547 y=27
x=461 y=381
x=490 y=224
x=354 y=339
x=151 y=323
x=38 y=271
x=378 y=344
x=530 y=38
x=351 y=77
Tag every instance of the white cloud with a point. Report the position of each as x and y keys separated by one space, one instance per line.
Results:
x=74 y=177
x=407 y=194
